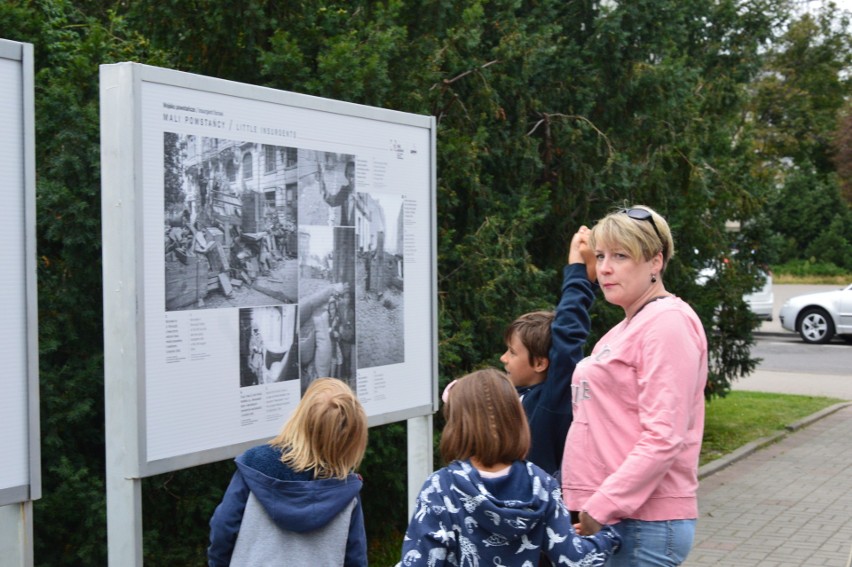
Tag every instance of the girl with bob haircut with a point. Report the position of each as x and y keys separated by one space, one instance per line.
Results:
x=295 y=501
x=631 y=456
x=488 y=506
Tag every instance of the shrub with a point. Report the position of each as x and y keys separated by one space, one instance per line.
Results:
x=810 y=267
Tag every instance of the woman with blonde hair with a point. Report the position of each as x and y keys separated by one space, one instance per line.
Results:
x=295 y=500
x=631 y=456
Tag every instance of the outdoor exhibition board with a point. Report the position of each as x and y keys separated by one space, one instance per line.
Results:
x=20 y=470
x=254 y=240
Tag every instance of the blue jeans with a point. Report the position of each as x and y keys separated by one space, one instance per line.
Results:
x=646 y=544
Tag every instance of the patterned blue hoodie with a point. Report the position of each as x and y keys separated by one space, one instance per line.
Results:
x=463 y=519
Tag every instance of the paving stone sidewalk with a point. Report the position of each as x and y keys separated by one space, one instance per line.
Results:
x=786 y=505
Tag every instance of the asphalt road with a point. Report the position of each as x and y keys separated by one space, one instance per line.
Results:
x=789 y=353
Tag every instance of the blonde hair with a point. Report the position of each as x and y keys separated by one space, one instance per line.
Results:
x=636 y=236
x=485 y=420
x=326 y=433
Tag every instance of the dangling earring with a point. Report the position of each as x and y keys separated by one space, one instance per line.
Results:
x=653 y=278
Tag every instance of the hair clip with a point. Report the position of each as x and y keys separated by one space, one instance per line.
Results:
x=447 y=390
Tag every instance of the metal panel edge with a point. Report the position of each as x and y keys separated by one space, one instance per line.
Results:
x=12 y=50
x=23 y=53
x=433 y=218
x=161 y=466
x=14 y=495
x=118 y=92
x=147 y=73
x=402 y=415
x=119 y=233
x=31 y=271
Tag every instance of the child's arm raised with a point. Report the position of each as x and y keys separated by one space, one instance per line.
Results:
x=570 y=327
x=568 y=332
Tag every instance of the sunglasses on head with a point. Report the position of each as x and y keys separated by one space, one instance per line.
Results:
x=644 y=215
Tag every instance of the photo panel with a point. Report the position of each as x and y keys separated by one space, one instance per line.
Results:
x=327 y=332
x=379 y=271
x=268 y=239
x=230 y=222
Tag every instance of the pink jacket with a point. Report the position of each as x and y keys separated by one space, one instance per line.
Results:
x=638 y=400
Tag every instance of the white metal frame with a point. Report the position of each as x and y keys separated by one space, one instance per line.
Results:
x=124 y=324
x=16 y=521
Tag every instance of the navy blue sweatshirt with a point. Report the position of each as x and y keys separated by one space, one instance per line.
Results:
x=548 y=404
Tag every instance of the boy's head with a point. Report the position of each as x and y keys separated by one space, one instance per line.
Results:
x=528 y=348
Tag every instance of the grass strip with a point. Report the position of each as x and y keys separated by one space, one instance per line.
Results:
x=742 y=417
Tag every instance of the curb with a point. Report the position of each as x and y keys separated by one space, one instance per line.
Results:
x=724 y=462
x=777 y=334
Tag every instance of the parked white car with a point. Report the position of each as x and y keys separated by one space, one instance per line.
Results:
x=817 y=317
x=760 y=301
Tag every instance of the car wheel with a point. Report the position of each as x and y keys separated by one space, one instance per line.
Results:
x=815 y=326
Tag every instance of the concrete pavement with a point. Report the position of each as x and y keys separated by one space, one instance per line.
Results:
x=828 y=385
x=786 y=500
x=786 y=505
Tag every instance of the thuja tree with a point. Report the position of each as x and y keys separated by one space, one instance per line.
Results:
x=553 y=113
x=842 y=146
x=796 y=113
x=656 y=120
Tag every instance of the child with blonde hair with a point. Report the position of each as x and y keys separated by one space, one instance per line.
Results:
x=489 y=506
x=295 y=500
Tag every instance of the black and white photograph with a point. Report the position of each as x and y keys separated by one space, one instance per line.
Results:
x=327 y=330
x=231 y=221
x=379 y=280
x=268 y=345
x=326 y=188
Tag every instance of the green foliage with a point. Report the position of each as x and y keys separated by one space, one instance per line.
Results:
x=176 y=510
x=812 y=218
x=385 y=550
x=841 y=145
x=797 y=127
x=834 y=244
x=804 y=268
x=805 y=85
x=384 y=493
